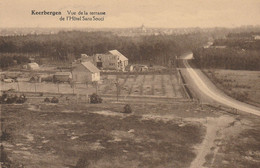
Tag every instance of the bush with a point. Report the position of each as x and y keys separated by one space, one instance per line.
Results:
x=11 y=99
x=47 y=100
x=5 y=161
x=21 y=99
x=94 y=99
x=127 y=109
x=54 y=100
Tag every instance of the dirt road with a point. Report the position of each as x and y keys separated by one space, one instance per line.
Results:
x=203 y=86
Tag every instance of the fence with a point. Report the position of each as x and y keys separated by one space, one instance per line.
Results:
x=63 y=88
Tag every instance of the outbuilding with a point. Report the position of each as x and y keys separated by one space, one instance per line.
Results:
x=32 y=66
x=85 y=72
x=62 y=77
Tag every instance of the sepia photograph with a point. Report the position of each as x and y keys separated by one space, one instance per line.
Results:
x=129 y=83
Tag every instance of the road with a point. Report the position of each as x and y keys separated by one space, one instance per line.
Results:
x=203 y=86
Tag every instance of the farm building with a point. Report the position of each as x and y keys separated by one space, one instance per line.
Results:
x=137 y=68
x=32 y=66
x=257 y=37
x=112 y=60
x=85 y=72
x=62 y=77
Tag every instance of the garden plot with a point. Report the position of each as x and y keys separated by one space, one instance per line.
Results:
x=169 y=90
x=109 y=85
x=158 y=85
x=161 y=85
x=138 y=85
x=126 y=88
x=148 y=85
x=176 y=86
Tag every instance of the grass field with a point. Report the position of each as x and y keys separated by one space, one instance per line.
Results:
x=155 y=135
x=241 y=85
x=160 y=133
x=100 y=136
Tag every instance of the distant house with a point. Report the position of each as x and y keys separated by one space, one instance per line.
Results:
x=62 y=77
x=257 y=37
x=32 y=66
x=137 y=68
x=85 y=72
x=112 y=60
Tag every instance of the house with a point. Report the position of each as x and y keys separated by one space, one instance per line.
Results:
x=85 y=72
x=32 y=66
x=112 y=60
x=137 y=68
x=257 y=37
x=62 y=77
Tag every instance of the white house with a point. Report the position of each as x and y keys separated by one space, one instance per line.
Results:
x=32 y=66
x=112 y=60
x=85 y=72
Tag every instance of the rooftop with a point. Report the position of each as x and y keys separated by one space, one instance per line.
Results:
x=117 y=53
x=90 y=67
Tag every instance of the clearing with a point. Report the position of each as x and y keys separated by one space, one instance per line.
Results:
x=241 y=85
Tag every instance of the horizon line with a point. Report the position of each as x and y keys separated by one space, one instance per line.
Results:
x=149 y=27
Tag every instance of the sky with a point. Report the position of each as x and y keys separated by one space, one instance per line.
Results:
x=133 y=13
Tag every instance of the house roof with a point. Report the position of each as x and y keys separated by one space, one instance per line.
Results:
x=117 y=53
x=33 y=64
x=92 y=68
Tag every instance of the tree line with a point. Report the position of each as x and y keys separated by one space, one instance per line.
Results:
x=156 y=49
x=7 y=60
x=228 y=58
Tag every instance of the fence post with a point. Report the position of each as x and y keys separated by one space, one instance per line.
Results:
x=58 y=88
x=18 y=88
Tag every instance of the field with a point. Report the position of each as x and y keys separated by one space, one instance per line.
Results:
x=241 y=85
x=155 y=135
x=66 y=136
x=164 y=130
x=153 y=85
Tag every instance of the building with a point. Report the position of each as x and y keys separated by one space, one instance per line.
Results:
x=62 y=77
x=257 y=37
x=85 y=72
x=112 y=60
x=31 y=66
x=137 y=68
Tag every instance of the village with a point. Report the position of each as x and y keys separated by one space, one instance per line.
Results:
x=108 y=75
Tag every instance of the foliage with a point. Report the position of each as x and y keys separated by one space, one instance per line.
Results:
x=156 y=49
x=4 y=160
x=94 y=99
x=54 y=100
x=9 y=99
x=228 y=58
x=7 y=60
x=127 y=109
x=47 y=100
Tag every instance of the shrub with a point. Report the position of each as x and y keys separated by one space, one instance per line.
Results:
x=5 y=136
x=54 y=100
x=94 y=99
x=21 y=99
x=127 y=109
x=5 y=161
x=47 y=100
